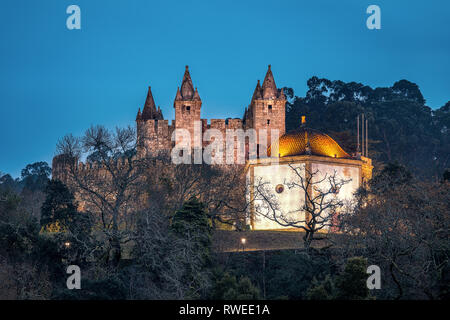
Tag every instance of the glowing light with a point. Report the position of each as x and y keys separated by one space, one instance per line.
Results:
x=243 y=240
x=320 y=144
x=67 y=244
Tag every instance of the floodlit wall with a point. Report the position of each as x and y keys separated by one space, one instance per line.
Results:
x=342 y=172
x=346 y=192
x=290 y=201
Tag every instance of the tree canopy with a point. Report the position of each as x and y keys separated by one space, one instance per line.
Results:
x=401 y=126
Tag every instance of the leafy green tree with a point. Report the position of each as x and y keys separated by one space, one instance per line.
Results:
x=322 y=290
x=227 y=287
x=7 y=183
x=351 y=284
x=392 y=175
x=35 y=176
x=63 y=224
x=34 y=179
x=110 y=288
x=442 y=120
x=192 y=227
x=58 y=211
x=446 y=175
x=289 y=274
x=401 y=127
x=191 y=222
x=31 y=262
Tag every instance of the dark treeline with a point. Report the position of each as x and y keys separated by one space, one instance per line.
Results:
x=402 y=127
x=402 y=228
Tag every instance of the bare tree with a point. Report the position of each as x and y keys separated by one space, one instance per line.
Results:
x=114 y=184
x=317 y=207
x=108 y=186
x=219 y=188
x=405 y=230
x=163 y=259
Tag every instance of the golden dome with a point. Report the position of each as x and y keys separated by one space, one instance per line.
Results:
x=295 y=143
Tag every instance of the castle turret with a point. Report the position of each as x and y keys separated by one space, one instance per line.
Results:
x=257 y=94
x=187 y=88
x=150 y=111
x=269 y=89
x=152 y=129
x=267 y=108
x=139 y=115
x=187 y=105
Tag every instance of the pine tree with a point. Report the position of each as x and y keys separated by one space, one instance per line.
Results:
x=59 y=212
x=351 y=284
x=192 y=229
x=192 y=221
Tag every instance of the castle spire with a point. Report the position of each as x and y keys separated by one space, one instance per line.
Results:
x=257 y=94
x=149 y=111
x=196 y=95
x=187 y=88
x=269 y=88
x=139 y=116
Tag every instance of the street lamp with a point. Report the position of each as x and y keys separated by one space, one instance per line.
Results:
x=243 y=240
x=67 y=244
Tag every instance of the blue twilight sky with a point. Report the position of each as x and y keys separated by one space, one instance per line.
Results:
x=55 y=81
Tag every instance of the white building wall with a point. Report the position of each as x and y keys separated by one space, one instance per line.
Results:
x=342 y=172
x=290 y=200
x=346 y=192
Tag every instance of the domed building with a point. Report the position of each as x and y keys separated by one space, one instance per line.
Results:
x=305 y=156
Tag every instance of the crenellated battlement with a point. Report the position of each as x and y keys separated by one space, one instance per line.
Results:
x=63 y=167
x=223 y=124
x=153 y=136
x=156 y=127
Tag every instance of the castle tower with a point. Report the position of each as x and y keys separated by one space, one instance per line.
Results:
x=152 y=129
x=187 y=106
x=150 y=111
x=267 y=108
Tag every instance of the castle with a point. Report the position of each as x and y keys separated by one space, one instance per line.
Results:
x=266 y=111
x=309 y=150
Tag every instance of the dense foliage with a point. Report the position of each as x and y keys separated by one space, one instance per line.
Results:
x=401 y=126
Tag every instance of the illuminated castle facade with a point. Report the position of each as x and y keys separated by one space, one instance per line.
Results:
x=266 y=111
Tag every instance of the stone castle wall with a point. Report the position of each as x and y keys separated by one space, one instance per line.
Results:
x=154 y=134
